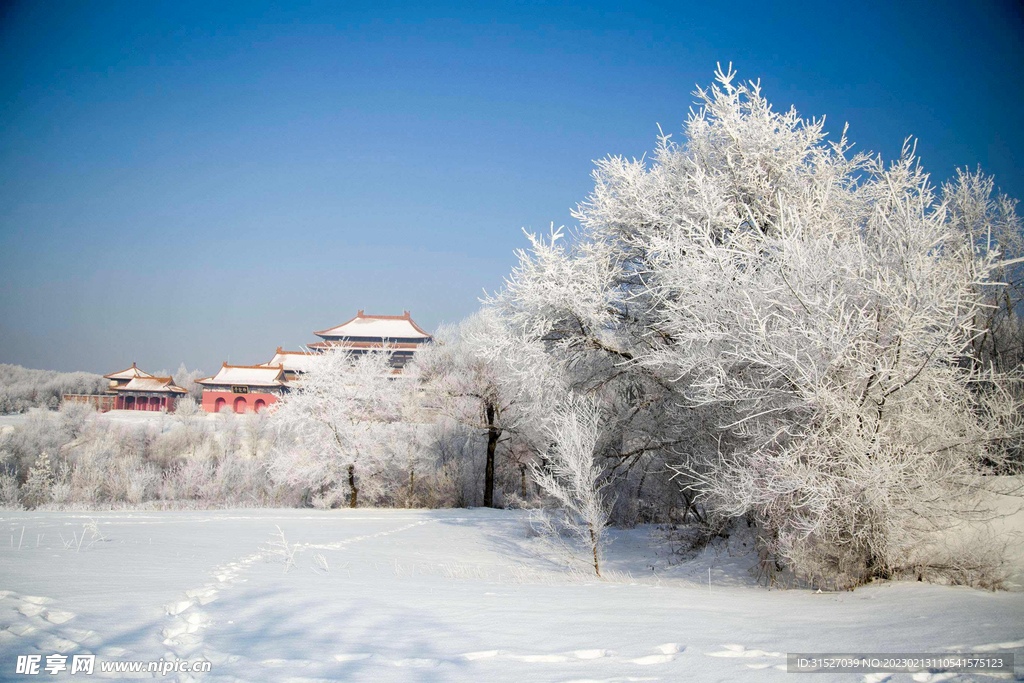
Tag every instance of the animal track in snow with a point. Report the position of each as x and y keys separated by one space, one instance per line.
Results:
x=84 y=637
x=540 y=658
x=926 y=677
x=668 y=653
x=183 y=634
x=30 y=610
x=483 y=654
x=55 y=643
x=42 y=625
x=21 y=630
x=352 y=657
x=177 y=607
x=874 y=678
x=58 y=616
x=652 y=659
x=732 y=650
x=417 y=663
x=203 y=595
x=277 y=662
x=36 y=600
x=616 y=679
x=992 y=647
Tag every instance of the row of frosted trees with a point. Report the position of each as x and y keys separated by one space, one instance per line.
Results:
x=756 y=323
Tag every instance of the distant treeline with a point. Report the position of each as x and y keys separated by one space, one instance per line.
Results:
x=24 y=388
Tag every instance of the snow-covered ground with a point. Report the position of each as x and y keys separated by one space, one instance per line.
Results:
x=454 y=595
x=12 y=420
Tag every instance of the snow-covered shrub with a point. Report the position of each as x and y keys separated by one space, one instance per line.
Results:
x=72 y=418
x=129 y=479
x=190 y=479
x=61 y=490
x=36 y=491
x=572 y=476
x=10 y=494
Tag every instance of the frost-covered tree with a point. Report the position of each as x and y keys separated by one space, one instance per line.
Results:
x=340 y=415
x=36 y=490
x=23 y=388
x=466 y=379
x=186 y=379
x=792 y=324
x=573 y=477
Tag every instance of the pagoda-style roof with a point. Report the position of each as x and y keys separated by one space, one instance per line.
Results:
x=380 y=327
x=359 y=345
x=150 y=383
x=249 y=375
x=128 y=373
x=292 y=361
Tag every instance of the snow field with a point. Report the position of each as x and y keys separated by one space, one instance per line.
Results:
x=456 y=595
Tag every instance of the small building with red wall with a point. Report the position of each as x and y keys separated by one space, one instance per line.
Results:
x=133 y=389
x=243 y=388
x=149 y=393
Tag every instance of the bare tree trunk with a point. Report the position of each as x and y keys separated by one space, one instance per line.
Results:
x=522 y=475
x=412 y=484
x=492 y=443
x=352 y=486
x=593 y=547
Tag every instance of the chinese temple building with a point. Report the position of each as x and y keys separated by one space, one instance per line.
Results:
x=243 y=388
x=148 y=393
x=133 y=389
x=120 y=379
x=294 y=362
x=365 y=333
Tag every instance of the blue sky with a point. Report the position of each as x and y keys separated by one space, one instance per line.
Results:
x=181 y=182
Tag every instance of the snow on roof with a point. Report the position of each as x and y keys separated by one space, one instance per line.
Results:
x=128 y=373
x=380 y=326
x=252 y=375
x=151 y=383
x=292 y=361
x=394 y=346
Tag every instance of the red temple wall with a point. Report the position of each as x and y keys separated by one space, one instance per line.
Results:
x=212 y=399
x=151 y=403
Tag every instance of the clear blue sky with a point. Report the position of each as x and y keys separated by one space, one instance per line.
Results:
x=187 y=183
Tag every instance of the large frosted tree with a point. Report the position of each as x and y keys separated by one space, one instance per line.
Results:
x=792 y=324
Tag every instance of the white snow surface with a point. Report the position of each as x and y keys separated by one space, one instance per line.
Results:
x=453 y=595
